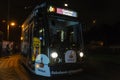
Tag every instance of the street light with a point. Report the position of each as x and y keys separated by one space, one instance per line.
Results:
x=12 y=23
x=8 y=28
x=9 y=24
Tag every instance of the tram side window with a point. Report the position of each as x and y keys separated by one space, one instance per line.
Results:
x=39 y=32
x=27 y=39
x=25 y=44
x=26 y=35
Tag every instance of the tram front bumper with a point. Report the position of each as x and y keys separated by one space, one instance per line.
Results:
x=65 y=68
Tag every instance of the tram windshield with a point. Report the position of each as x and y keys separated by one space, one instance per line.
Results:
x=64 y=33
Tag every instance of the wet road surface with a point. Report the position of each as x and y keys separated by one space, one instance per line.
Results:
x=11 y=69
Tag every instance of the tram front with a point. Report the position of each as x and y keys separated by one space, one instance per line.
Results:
x=65 y=46
x=64 y=53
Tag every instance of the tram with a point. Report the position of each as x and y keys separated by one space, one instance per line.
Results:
x=52 y=40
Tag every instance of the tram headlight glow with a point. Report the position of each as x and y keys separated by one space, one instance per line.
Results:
x=54 y=54
x=81 y=54
x=37 y=65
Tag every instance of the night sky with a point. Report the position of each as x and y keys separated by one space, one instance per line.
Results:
x=105 y=12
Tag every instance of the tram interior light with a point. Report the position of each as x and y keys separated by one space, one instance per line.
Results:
x=21 y=38
x=41 y=38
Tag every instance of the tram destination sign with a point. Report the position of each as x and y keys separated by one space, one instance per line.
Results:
x=63 y=11
x=66 y=12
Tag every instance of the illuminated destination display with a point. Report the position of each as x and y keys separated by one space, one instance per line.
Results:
x=63 y=11
x=66 y=12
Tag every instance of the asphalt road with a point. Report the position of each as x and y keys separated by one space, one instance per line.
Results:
x=12 y=69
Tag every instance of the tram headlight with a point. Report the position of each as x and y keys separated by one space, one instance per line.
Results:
x=81 y=54
x=37 y=65
x=54 y=55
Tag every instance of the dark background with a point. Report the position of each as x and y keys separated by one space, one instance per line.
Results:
x=104 y=11
x=100 y=18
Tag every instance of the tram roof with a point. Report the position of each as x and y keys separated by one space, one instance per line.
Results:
x=56 y=3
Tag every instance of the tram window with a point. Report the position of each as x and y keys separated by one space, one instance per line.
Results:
x=53 y=22
x=63 y=32
x=26 y=35
x=39 y=32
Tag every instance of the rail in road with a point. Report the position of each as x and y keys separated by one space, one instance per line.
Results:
x=11 y=69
